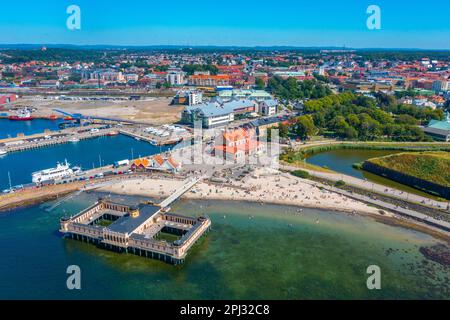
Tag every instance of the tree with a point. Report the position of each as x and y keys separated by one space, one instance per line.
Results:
x=292 y=89
x=406 y=119
x=353 y=120
x=305 y=126
x=192 y=68
x=75 y=77
x=283 y=130
x=350 y=133
x=260 y=84
x=339 y=125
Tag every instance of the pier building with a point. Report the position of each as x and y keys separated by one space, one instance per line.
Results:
x=137 y=229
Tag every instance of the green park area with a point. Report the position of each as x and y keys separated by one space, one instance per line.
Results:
x=429 y=171
x=429 y=166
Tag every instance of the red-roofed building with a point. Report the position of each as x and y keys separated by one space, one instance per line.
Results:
x=7 y=98
x=157 y=162
x=237 y=144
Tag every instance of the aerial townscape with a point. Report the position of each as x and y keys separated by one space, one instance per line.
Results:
x=224 y=172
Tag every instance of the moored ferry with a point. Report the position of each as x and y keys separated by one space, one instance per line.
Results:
x=60 y=172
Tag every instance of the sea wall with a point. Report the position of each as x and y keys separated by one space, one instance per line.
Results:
x=406 y=179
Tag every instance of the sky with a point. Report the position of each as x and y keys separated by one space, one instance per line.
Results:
x=303 y=23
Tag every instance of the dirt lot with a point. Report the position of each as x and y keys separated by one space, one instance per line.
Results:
x=155 y=111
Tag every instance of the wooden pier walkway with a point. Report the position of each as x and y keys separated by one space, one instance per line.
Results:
x=182 y=190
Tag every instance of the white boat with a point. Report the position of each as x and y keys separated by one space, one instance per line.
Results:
x=74 y=139
x=3 y=152
x=60 y=172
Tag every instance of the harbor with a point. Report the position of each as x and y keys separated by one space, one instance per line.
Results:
x=76 y=133
x=93 y=155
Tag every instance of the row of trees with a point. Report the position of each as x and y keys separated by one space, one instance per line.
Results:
x=352 y=116
x=292 y=89
x=192 y=68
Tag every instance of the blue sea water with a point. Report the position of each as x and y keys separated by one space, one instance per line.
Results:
x=10 y=129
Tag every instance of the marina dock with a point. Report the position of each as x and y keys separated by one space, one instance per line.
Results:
x=150 y=139
x=49 y=139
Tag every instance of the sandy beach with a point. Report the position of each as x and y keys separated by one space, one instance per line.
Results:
x=261 y=186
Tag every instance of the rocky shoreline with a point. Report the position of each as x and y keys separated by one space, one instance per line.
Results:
x=439 y=253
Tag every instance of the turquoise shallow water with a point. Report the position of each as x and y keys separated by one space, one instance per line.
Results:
x=252 y=252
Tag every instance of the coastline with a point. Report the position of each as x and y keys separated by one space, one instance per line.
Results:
x=391 y=219
x=263 y=187
x=304 y=196
x=35 y=196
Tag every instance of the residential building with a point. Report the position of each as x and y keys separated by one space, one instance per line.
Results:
x=131 y=77
x=440 y=86
x=209 y=80
x=107 y=75
x=188 y=97
x=175 y=77
x=268 y=107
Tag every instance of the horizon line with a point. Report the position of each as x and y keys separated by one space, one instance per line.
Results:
x=184 y=46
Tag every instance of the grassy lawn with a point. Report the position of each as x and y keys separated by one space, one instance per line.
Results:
x=167 y=237
x=429 y=166
x=104 y=223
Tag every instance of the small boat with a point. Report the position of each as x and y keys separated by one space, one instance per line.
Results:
x=74 y=139
x=112 y=133
x=3 y=152
x=138 y=139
